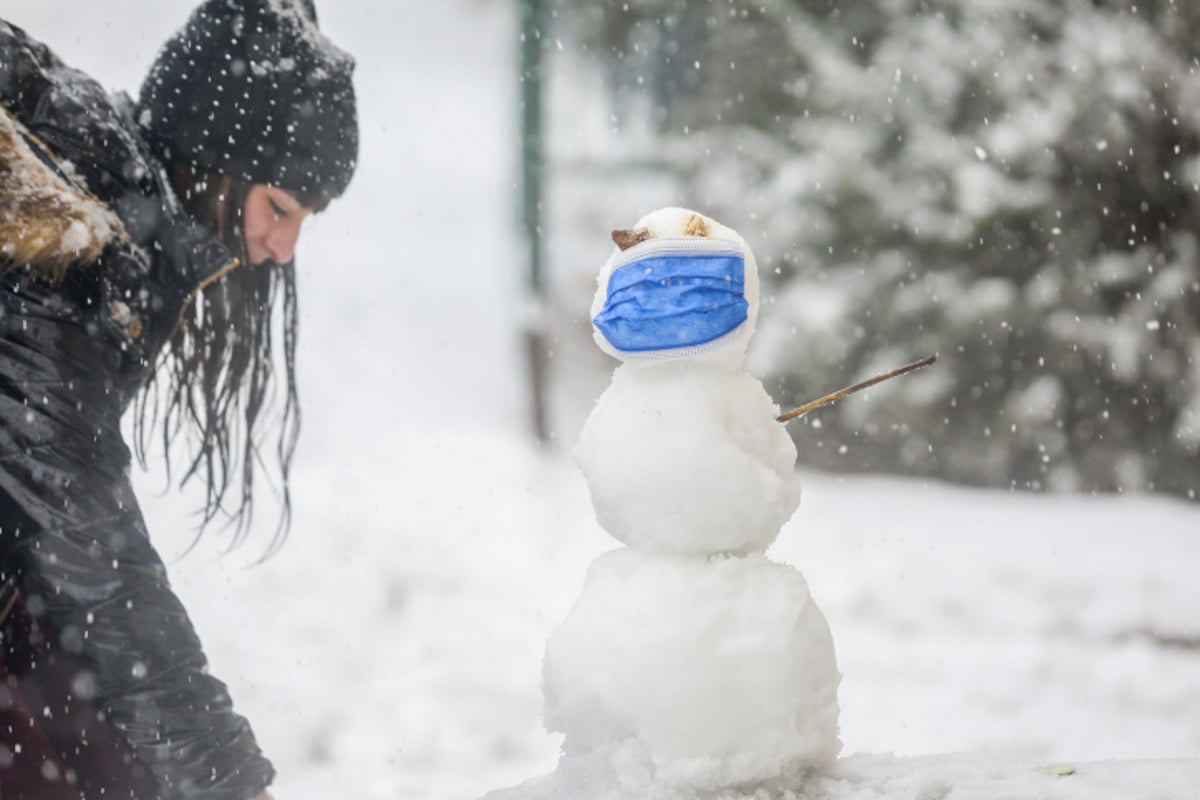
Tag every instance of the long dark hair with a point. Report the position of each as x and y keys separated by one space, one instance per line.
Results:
x=219 y=369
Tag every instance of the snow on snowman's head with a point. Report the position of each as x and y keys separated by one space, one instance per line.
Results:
x=688 y=288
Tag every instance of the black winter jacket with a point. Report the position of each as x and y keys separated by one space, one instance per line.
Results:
x=84 y=311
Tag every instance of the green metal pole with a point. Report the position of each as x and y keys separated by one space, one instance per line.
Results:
x=532 y=41
x=532 y=16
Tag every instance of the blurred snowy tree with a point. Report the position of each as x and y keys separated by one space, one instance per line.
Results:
x=1013 y=184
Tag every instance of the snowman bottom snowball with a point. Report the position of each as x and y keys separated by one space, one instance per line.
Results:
x=716 y=673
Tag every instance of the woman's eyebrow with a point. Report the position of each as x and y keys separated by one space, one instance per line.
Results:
x=286 y=199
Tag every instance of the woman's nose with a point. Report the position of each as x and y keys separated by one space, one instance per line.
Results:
x=282 y=241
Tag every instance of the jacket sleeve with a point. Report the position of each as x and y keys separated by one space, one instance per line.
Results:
x=72 y=538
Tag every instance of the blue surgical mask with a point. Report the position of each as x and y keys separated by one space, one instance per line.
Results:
x=674 y=294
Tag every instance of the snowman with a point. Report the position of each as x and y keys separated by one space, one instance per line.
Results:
x=690 y=662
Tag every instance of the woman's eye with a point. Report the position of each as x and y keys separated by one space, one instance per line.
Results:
x=277 y=209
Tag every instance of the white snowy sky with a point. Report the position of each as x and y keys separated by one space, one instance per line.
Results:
x=393 y=648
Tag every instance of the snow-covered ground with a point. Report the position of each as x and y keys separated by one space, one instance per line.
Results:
x=887 y=777
x=392 y=649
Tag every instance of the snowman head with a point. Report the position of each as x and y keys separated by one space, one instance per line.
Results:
x=682 y=286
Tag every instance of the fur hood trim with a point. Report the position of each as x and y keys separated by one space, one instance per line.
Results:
x=48 y=222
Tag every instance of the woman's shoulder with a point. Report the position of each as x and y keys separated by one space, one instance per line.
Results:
x=87 y=128
x=51 y=98
x=21 y=54
x=54 y=219
x=83 y=146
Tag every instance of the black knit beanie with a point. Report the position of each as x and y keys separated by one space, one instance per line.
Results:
x=253 y=90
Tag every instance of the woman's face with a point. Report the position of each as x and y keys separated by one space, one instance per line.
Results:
x=272 y=220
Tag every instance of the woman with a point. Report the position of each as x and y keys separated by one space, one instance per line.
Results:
x=143 y=248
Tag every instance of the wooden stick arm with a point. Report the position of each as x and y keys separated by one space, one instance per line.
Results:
x=839 y=394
